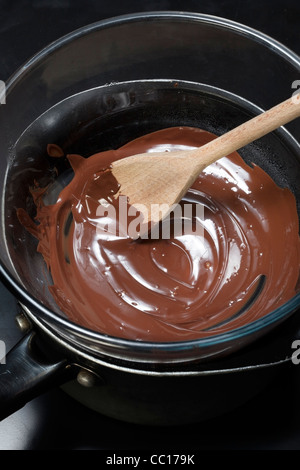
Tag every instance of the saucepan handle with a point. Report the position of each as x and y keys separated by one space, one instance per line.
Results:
x=27 y=373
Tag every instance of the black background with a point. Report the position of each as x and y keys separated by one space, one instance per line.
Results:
x=55 y=421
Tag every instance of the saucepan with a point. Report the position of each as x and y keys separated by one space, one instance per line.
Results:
x=98 y=88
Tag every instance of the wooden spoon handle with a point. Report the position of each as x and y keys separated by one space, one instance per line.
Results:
x=247 y=132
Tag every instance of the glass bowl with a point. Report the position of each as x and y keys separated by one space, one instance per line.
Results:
x=108 y=83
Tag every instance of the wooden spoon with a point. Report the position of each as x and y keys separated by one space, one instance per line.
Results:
x=154 y=182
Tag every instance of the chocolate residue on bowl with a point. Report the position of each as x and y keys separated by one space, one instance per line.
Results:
x=243 y=264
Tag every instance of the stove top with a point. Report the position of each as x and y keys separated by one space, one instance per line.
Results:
x=56 y=421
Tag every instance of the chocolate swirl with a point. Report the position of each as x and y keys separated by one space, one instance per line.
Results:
x=242 y=265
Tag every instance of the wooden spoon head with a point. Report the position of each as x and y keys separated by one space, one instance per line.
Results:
x=154 y=184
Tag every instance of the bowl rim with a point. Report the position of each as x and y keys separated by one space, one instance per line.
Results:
x=150 y=16
x=47 y=315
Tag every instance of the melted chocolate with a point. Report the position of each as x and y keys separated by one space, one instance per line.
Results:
x=244 y=265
